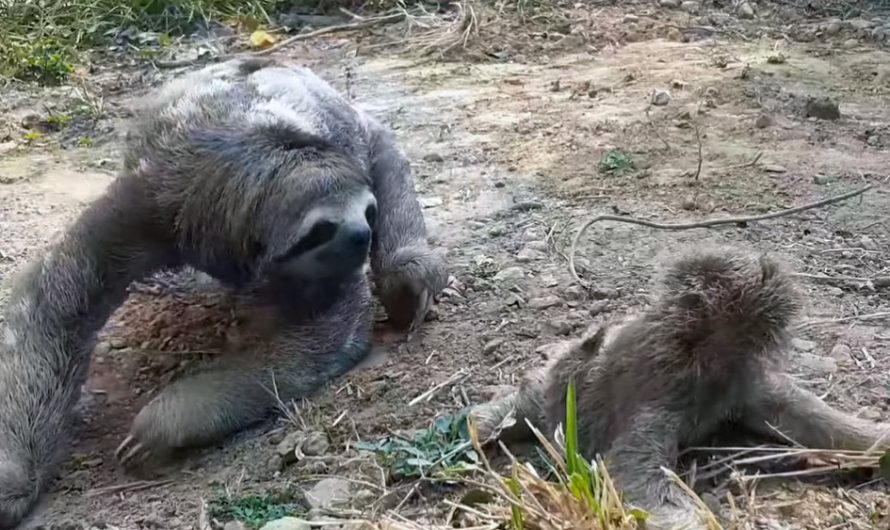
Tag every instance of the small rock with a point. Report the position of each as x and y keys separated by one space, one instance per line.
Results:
x=871 y=413
x=604 y=293
x=316 y=444
x=689 y=204
x=430 y=202
x=661 y=98
x=433 y=157
x=32 y=121
x=631 y=18
x=491 y=346
x=677 y=84
x=763 y=121
x=822 y=108
x=868 y=243
x=833 y=27
x=822 y=180
x=774 y=168
x=117 y=344
x=510 y=275
x=287 y=449
x=841 y=352
x=234 y=525
x=527 y=254
x=544 y=302
x=849 y=44
x=558 y=327
x=287 y=523
x=776 y=58
x=598 y=307
x=574 y=292
x=873 y=140
x=817 y=363
x=803 y=345
x=879 y=34
x=690 y=6
x=327 y=492
x=669 y=3
x=746 y=11
x=861 y=23
x=102 y=348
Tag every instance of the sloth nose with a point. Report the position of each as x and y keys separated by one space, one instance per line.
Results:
x=358 y=236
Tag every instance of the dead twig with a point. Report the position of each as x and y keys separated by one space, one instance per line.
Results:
x=362 y=23
x=429 y=393
x=130 y=487
x=700 y=224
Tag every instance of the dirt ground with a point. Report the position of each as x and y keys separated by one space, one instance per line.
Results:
x=510 y=156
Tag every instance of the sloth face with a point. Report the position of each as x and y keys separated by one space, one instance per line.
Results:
x=333 y=239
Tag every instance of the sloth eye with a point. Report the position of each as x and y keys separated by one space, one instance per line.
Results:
x=371 y=215
x=321 y=233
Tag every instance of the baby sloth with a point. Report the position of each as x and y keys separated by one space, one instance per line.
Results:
x=708 y=352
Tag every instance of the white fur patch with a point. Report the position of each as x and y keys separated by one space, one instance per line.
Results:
x=9 y=338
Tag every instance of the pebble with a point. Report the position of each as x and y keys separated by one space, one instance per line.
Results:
x=491 y=346
x=669 y=3
x=690 y=7
x=746 y=11
x=841 y=352
x=833 y=27
x=430 y=202
x=433 y=157
x=776 y=58
x=603 y=293
x=868 y=243
x=102 y=348
x=509 y=275
x=822 y=180
x=850 y=43
x=774 y=168
x=287 y=523
x=822 y=108
x=544 y=302
x=558 y=327
x=661 y=98
x=631 y=18
x=763 y=121
x=598 y=307
x=873 y=140
x=817 y=363
x=574 y=292
x=117 y=344
x=803 y=345
x=327 y=492
x=316 y=444
x=527 y=254
x=234 y=525
x=871 y=413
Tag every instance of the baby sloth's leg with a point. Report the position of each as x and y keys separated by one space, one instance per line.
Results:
x=649 y=442
x=505 y=418
x=806 y=419
x=237 y=391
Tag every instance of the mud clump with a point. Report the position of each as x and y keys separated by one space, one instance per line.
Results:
x=822 y=108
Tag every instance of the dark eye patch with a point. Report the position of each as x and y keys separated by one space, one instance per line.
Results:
x=371 y=215
x=321 y=233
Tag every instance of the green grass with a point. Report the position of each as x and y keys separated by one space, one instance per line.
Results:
x=616 y=162
x=42 y=41
x=253 y=510
x=444 y=448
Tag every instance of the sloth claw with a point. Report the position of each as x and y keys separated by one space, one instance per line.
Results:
x=132 y=452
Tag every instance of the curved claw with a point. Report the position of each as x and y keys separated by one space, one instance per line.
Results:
x=425 y=301
x=136 y=452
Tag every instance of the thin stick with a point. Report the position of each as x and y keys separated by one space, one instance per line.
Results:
x=701 y=224
x=139 y=485
x=352 y=26
x=429 y=393
x=869 y=316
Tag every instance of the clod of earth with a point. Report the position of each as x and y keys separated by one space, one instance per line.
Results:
x=660 y=98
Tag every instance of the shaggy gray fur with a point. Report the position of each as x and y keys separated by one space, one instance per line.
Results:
x=261 y=175
x=707 y=352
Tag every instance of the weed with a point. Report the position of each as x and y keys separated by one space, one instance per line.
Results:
x=58 y=121
x=444 y=447
x=31 y=137
x=253 y=510
x=47 y=61
x=85 y=141
x=616 y=161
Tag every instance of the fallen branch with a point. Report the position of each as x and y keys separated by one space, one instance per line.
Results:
x=352 y=26
x=701 y=224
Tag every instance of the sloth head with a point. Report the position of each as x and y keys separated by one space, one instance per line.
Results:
x=324 y=209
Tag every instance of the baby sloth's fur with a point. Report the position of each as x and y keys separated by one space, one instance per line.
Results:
x=261 y=175
x=708 y=352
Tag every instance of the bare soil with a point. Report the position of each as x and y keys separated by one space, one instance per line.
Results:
x=507 y=155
